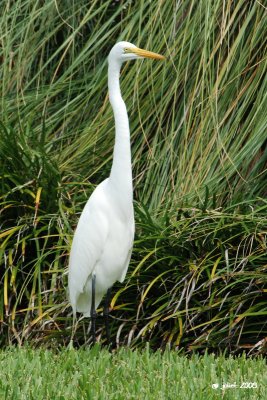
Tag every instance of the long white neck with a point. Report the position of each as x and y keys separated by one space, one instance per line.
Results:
x=121 y=171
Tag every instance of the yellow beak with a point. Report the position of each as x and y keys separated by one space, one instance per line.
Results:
x=145 y=53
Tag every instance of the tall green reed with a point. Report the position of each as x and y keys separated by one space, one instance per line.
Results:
x=199 y=161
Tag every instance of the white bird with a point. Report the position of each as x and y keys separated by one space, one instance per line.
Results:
x=103 y=241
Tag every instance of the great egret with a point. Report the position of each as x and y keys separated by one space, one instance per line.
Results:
x=103 y=241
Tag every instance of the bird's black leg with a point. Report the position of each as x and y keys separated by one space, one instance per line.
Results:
x=93 y=311
x=106 y=314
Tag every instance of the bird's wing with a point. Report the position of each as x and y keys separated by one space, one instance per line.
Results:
x=88 y=242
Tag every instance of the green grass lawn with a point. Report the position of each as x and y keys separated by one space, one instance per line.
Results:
x=94 y=374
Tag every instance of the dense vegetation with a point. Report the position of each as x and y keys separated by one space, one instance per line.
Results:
x=128 y=375
x=198 y=273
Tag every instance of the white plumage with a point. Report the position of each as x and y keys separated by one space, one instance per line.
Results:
x=102 y=245
x=103 y=240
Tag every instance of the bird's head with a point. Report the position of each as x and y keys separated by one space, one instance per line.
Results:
x=124 y=51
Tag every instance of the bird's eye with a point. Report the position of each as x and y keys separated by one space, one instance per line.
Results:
x=127 y=50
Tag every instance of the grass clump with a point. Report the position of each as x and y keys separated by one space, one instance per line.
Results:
x=197 y=276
